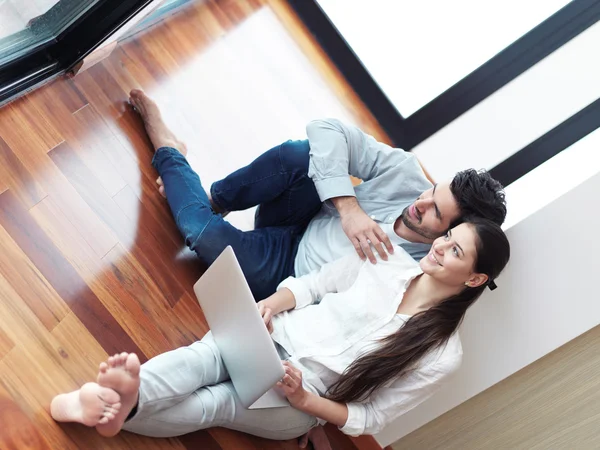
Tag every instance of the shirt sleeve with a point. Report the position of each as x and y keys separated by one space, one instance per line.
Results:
x=338 y=150
x=389 y=403
x=336 y=276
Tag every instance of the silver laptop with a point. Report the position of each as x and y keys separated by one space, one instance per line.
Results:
x=247 y=349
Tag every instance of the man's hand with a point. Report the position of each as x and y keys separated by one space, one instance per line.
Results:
x=362 y=230
x=266 y=314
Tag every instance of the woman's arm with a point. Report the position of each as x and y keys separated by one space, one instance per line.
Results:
x=311 y=404
x=282 y=300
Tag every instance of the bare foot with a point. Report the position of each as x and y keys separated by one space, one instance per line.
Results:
x=157 y=130
x=122 y=374
x=91 y=405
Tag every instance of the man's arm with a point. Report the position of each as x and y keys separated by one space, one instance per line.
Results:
x=338 y=150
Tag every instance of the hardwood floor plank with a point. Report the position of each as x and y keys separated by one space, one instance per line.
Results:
x=16 y=176
x=89 y=138
x=133 y=236
x=62 y=277
x=125 y=288
x=6 y=344
x=26 y=131
x=18 y=431
x=30 y=285
x=168 y=243
x=138 y=286
x=338 y=439
x=199 y=440
x=138 y=316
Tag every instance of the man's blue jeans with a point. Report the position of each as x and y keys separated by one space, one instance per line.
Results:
x=277 y=181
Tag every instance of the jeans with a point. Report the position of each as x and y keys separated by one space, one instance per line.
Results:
x=277 y=181
x=188 y=389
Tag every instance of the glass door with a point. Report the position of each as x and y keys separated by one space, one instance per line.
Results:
x=28 y=24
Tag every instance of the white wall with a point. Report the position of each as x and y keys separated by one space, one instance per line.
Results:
x=547 y=294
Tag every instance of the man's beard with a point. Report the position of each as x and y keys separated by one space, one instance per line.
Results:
x=424 y=232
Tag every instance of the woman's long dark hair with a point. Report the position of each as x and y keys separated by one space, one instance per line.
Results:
x=426 y=331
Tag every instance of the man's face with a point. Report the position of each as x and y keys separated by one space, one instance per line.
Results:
x=432 y=213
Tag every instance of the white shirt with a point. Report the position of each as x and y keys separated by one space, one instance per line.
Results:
x=392 y=180
x=357 y=304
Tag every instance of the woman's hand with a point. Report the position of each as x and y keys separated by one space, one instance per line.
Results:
x=291 y=385
x=267 y=315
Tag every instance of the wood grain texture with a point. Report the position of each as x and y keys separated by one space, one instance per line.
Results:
x=18 y=431
x=91 y=261
x=554 y=403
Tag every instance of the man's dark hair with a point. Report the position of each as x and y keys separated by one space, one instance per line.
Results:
x=478 y=194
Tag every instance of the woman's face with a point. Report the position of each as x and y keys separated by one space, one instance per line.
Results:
x=452 y=258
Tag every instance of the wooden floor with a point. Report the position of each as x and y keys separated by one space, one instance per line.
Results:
x=90 y=260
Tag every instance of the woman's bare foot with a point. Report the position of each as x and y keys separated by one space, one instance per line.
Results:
x=122 y=374
x=91 y=405
x=157 y=130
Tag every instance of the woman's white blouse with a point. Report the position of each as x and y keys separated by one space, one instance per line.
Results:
x=342 y=310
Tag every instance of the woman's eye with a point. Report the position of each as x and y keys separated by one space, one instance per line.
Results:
x=447 y=236
x=455 y=251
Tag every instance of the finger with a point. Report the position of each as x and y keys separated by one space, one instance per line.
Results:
x=270 y=327
x=385 y=239
x=358 y=248
x=378 y=245
x=366 y=247
x=294 y=375
x=268 y=315
x=261 y=308
x=291 y=382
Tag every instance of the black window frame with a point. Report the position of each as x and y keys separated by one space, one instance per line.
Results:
x=531 y=48
x=69 y=47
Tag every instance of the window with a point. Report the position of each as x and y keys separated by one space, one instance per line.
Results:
x=417 y=49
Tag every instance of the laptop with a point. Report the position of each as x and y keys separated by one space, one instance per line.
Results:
x=246 y=346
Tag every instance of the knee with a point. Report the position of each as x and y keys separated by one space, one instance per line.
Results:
x=295 y=156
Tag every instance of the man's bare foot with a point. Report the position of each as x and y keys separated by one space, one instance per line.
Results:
x=157 y=130
x=122 y=374
x=91 y=405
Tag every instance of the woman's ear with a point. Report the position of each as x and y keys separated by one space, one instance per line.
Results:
x=477 y=279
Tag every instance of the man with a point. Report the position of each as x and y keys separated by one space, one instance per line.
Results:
x=306 y=199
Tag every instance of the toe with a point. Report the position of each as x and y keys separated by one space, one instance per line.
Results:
x=103 y=420
x=108 y=396
x=161 y=191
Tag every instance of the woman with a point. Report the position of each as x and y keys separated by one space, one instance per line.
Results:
x=365 y=344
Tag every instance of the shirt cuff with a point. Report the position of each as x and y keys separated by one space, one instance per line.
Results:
x=335 y=187
x=299 y=289
x=355 y=425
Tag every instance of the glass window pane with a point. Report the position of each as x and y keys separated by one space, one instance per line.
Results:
x=27 y=24
x=417 y=49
